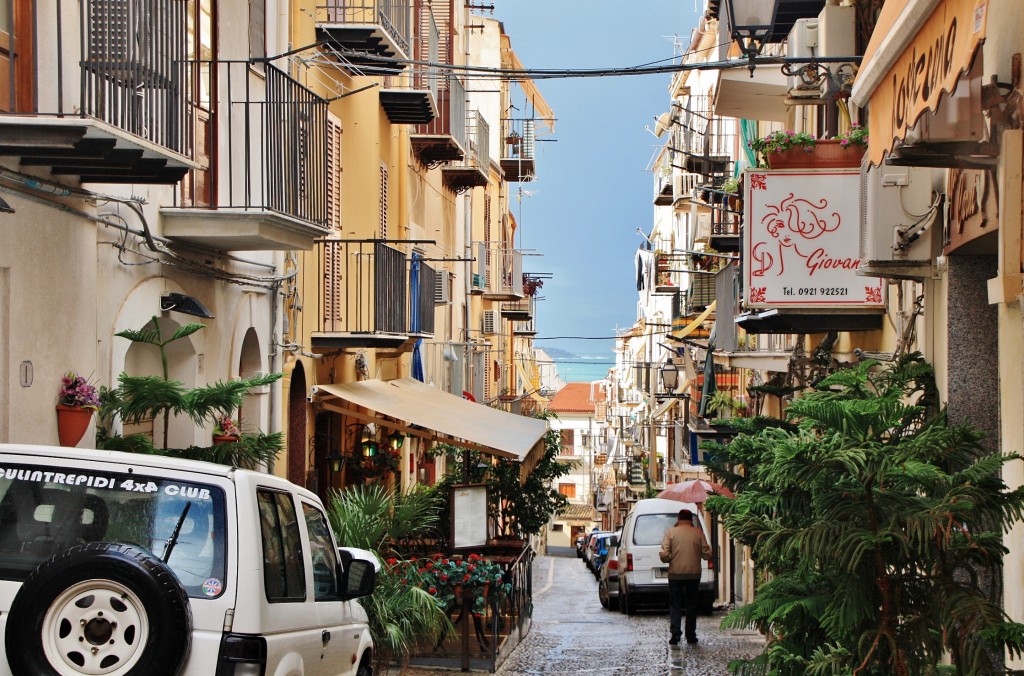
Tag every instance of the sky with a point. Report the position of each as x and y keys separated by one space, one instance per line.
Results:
x=593 y=187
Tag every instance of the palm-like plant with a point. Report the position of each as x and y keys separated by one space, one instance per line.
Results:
x=139 y=398
x=375 y=518
x=879 y=527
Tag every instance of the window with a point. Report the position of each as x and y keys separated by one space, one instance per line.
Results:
x=323 y=554
x=284 y=574
x=44 y=510
x=557 y=527
x=568 y=490
x=650 y=528
x=568 y=438
x=257 y=30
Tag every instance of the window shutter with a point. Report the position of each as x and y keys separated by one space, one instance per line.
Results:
x=334 y=172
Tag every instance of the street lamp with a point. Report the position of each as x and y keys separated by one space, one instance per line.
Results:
x=669 y=376
x=752 y=21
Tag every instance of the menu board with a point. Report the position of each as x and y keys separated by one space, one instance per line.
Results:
x=469 y=516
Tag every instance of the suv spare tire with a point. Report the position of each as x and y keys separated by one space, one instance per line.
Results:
x=103 y=609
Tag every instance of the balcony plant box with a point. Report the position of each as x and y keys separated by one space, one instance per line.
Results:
x=826 y=154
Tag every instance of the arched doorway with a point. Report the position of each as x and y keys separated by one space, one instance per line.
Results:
x=250 y=363
x=297 y=428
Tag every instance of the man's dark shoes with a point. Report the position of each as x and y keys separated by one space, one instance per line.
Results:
x=692 y=640
x=675 y=639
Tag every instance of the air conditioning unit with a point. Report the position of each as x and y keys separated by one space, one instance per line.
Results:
x=900 y=227
x=442 y=287
x=683 y=185
x=802 y=43
x=489 y=322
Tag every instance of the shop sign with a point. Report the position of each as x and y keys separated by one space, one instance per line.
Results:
x=801 y=248
x=973 y=211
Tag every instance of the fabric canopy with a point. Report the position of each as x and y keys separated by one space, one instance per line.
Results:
x=443 y=416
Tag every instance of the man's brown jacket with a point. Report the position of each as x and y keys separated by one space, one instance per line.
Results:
x=682 y=548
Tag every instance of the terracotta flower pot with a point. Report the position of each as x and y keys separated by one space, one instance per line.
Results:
x=219 y=439
x=72 y=422
x=828 y=154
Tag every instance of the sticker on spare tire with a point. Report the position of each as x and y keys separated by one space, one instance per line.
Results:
x=98 y=481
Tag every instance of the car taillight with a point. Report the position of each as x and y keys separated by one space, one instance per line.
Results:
x=242 y=654
x=613 y=564
x=711 y=565
x=629 y=562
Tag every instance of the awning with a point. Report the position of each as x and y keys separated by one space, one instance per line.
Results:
x=442 y=416
x=696 y=323
x=664 y=406
x=917 y=54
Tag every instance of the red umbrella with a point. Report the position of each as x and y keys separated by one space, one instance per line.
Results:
x=694 y=490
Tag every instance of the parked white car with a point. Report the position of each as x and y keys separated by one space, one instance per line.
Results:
x=119 y=564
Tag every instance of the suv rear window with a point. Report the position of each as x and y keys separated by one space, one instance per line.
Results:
x=650 y=528
x=44 y=511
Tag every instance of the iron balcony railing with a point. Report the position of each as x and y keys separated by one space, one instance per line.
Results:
x=372 y=288
x=393 y=16
x=451 y=111
x=519 y=139
x=129 y=70
x=498 y=269
x=458 y=368
x=271 y=141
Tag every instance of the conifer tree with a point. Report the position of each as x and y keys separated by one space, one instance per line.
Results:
x=876 y=528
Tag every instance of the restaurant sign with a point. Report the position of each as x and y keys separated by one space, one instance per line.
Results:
x=801 y=241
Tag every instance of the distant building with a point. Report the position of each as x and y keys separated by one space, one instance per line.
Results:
x=582 y=425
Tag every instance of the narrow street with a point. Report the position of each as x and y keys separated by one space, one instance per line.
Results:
x=573 y=634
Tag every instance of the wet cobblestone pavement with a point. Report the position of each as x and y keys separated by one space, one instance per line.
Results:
x=573 y=634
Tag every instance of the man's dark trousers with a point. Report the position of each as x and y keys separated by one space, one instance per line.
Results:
x=683 y=594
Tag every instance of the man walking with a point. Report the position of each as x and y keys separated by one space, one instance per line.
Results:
x=682 y=548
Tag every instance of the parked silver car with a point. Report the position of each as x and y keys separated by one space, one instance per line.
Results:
x=608 y=577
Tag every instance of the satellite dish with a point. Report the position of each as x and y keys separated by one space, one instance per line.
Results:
x=662 y=124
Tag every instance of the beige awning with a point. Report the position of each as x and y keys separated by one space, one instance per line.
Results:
x=918 y=52
x=443 y=417
x=761 y=97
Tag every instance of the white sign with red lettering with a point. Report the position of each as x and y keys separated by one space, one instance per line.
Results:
x=801 y=240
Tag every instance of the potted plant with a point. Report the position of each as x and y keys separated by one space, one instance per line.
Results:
x=77 y=400
x=856 y=137
x=801 y=150
x=226 y=431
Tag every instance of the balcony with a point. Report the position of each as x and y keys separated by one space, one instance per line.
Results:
x=366 y=30
x=518 y=311
x=703 y=143
x=373 y=296
x=264 y=187
x=111 y=107
x=726 y=218
x=474 y=168
x=411 y=96
x=519 y=149
x=498 y=273
x=444 y=138
x=458 y=368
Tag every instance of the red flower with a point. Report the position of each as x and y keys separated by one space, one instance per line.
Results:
x=433 y=591
x=466 y=578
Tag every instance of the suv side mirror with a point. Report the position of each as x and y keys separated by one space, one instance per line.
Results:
x=613 y=541
x=358 y=579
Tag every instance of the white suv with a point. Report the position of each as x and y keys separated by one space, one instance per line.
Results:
x=116 y=564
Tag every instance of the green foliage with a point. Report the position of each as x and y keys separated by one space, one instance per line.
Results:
x=138 y=398
x=519 y=508
x=878 y=526
x=401 y=610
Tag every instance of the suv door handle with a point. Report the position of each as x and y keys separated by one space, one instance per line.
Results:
x=325 y=637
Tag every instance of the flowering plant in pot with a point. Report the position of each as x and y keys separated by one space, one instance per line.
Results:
x=856 y=137
x=226 y=430
x=473 y=579
x=781 y=141
x=77 y=391
x=77 y=398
